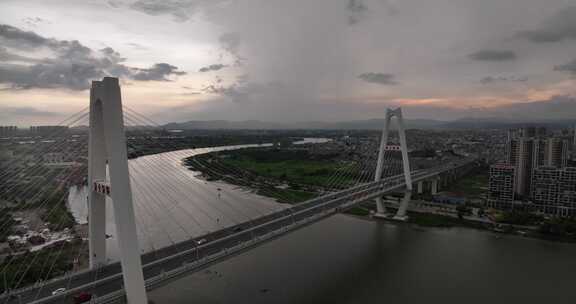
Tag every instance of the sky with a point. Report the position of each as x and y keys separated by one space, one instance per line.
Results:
x=290 y=61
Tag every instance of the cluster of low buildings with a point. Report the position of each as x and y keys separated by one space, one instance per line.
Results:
x=53 y=147
x=539 y=173
x=33 y=240
x=25 y=238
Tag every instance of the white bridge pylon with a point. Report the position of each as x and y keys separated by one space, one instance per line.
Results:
x=107 y=145
x=381 y=211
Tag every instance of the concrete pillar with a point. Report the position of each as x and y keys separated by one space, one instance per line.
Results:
x=404 y=148
x=420 y=187
x=401 y=214
x=380 y=209
x=434 y=186
x=108 y=98
x=96 y=172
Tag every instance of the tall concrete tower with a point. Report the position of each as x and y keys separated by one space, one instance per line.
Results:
x=381 y=211
x=107 y=145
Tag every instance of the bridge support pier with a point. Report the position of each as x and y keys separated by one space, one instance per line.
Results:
x=401 y=213
x=96 y=172
x=380 y=209
x=434 y=186
x=108 y=143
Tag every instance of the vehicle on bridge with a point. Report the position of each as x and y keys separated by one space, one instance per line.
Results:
x=58 y=291
x=82 y=297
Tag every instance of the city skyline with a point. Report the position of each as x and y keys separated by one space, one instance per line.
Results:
x=325 y=60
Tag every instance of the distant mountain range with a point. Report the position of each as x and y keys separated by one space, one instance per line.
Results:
x=370 y=124
x=558 y=111
x=499 y=123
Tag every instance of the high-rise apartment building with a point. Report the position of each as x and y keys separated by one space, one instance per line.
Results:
x=557 y=153
x=501 y=186
x=531 y=150
x=537 y=166
x=554 y=190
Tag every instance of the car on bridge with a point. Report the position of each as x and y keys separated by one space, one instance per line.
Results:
x=58 y=291
x=82 y=297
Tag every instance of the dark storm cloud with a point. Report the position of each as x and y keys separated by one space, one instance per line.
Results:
x=212 y=67
x=233 y=91
x=379 y=78
x=560 y=27
x=493 y=55
x=243 y=92
x=569 y=67
x=356 y=10
x=158 y=72
x=14 y=37
x=501 y=79
x=6 y=55
x=179 y=9
x=73 y=65
x=74 y=76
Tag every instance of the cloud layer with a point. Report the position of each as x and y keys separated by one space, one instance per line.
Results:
x=71 y=65
x=290 y=60
x=378 y=78
x=560 y=27
x=569 y=67
x=212 y=67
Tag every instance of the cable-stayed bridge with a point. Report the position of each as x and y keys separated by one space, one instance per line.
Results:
x=215 y=238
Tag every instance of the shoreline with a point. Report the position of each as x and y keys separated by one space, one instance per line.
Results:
x=463 y=223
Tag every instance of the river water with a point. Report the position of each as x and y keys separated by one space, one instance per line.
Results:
x=349 y=260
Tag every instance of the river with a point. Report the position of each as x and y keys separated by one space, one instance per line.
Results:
x=173 y=203
x=347 y=260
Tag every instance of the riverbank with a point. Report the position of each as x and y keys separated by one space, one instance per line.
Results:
x=286 y=175
x=443 y=221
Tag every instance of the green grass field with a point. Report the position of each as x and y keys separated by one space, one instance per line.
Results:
x=293 y=167
x=473 y=186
